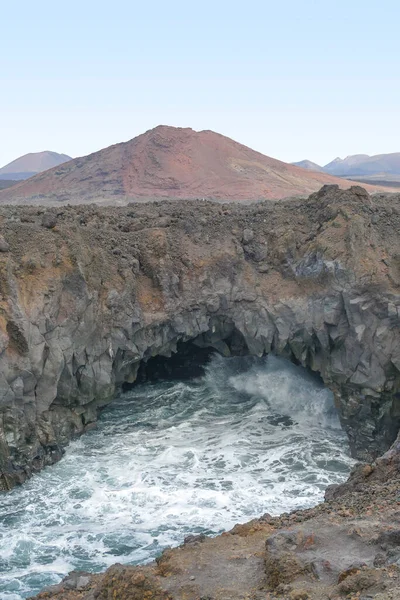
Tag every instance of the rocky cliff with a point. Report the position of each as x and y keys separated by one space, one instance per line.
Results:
x=88 y=293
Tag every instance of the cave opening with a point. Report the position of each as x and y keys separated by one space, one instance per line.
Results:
x=206 y=437
x=187 y=359
x=187 y=362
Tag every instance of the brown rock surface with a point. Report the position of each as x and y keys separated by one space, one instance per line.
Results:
x=170 y=162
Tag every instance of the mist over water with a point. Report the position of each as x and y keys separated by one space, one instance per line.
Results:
x=172 y=458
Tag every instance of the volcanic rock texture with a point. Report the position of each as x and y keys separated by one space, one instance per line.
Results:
x=87 y=293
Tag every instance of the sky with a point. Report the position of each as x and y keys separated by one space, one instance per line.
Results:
x=292 y=79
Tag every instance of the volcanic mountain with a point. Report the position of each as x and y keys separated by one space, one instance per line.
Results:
x=169 y=162
x=31 y=164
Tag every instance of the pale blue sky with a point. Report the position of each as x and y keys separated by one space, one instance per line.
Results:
x=293 y=79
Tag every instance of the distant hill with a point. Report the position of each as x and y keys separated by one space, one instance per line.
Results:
x=361 y=164
x=30 y=164
x=170 y=162
x=308 y=164
x=379 y=168
x=349 y=165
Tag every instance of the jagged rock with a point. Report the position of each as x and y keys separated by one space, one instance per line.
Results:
x=76 y=580
x=125 y=584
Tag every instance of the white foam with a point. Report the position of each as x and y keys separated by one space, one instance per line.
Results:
x=171 y=459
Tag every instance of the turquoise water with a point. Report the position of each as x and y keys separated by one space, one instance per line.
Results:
x=169 y=459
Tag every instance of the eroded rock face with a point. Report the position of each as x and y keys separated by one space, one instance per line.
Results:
x=83 y=302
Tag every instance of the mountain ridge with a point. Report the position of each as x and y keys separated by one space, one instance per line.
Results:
x=358 y=165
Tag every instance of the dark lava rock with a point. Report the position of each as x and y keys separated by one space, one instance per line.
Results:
x=49 y=220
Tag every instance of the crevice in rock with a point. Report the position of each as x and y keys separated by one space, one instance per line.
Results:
x=17 y=338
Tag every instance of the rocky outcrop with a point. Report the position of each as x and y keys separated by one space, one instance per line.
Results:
x=87 y=293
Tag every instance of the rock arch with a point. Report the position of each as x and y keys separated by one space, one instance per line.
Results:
x=108 y=288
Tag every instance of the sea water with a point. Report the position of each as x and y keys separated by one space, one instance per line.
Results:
x=170 y=459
